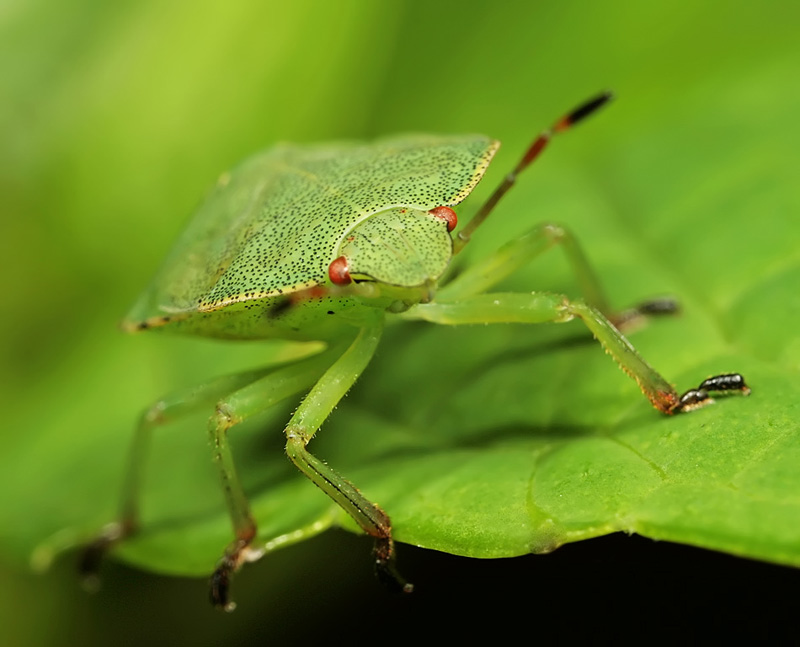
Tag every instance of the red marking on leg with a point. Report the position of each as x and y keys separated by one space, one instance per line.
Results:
x=339 y=272
x=665 y=401
x=446 y=214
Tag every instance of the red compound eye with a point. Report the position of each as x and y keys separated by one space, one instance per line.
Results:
x=446 y=214
x=338 y=271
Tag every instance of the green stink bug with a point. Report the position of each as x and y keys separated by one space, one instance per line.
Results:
x=323 y=243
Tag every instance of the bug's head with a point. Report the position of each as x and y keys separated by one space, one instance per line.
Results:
x=402 y=246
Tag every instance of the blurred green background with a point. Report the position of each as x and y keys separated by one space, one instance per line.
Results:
x=115 y=118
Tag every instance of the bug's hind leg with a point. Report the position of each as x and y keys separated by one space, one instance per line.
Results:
x=313 y=411
x=486 y=273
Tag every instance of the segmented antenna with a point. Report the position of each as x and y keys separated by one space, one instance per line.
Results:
x=535 y=149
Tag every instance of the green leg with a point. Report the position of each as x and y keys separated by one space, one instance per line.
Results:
x=234 y=408
x=540 y=307
x=316 y=407
x=329 y=389
x=166 y=410
x=513 y=255
x=280 y=383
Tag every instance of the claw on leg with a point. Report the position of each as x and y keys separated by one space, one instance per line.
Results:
x=385 y=569
x=220 y=582
x=701 y=396
x=633 y=318
x=93 y=554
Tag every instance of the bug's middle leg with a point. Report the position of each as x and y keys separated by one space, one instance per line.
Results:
x=486 y=273
x=169 y=408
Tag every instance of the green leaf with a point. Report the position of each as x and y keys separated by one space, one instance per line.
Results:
x=500 y=441
x=485 y=441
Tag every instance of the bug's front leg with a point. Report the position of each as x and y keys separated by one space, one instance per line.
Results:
x=313 y=411
x=542 y=307
x=234 y=408
x=488 y=272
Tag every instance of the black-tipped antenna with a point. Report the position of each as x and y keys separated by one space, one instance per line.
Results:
x=538 y=145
